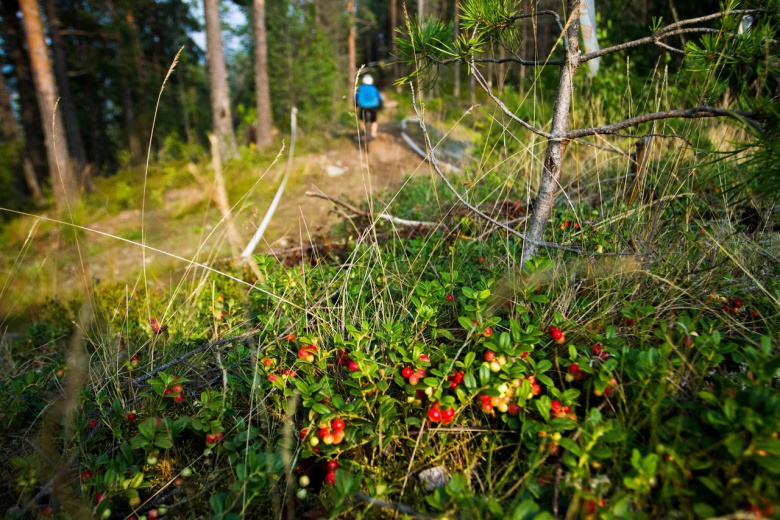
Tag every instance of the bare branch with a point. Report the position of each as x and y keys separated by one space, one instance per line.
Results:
x=383 y=216
x=690 y=113
x=435 y=163
x=652 y=39
x=484 y=86
x=396 y=506
x=707 y=18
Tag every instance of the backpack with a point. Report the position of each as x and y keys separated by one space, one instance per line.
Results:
x=368 y=97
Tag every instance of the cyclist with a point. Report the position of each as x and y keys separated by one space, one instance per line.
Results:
x=369 y=101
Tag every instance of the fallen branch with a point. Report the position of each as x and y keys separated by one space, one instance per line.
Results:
x=419 y=150
x=395 y=506
x=383 y=216
x=140 y=379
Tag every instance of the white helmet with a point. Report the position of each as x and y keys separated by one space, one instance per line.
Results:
x=368 y=80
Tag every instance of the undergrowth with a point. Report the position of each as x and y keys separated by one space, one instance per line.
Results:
x=420 y=373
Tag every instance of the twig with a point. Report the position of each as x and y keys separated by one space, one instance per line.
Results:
x=396 y=506
x=484 y=86
x=690 y=113
x=140 y=379
x=383 y=216
x=652 y=39
x=472 y=208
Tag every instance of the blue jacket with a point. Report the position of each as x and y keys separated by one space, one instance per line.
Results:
x=368 y=96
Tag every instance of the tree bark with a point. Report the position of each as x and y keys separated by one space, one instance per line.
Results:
x=61 y=71
x=393 y=24
x=456 y=14
x=9 y=130
x=351 y=53
x=60 y=169
x=218 y=85
x=263 y=93
x=556 y=147
x=30 y=116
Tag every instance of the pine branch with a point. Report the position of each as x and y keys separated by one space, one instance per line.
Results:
x=691 y=113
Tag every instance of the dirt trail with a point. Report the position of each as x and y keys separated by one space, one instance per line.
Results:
x=57 y=267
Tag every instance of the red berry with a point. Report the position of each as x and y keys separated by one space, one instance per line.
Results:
x=152 y=514
x=303 y=433
x=131 y=416
x=420 y=372
x=330 y=478
x=514 y=409
x=268 y=362
x=179 y=398
x=556 y=405
x=414 y=379
x=406 y=372
x=536 y=389
x=459 y=377
x=272 y=377
x=211 y=438
x=332 y=466
x=488 y=332
x=447 y=415
x=566 y=409
x=168 y=391
x=353 y=367
x=597 y=349
x=566 y=224
x=176 y=389
x=92 y=423
x=484 y=398
x=425 y=358
x=337 y=424
x=99 y=498
x=574 y=368
x=576 y=226
x=302 y=353
x=531 y=379
x=481 y=259
x=450 y=298
x=434 y=415
x=487 y=407
x=490 y=356
x=322 y=432
x=86 y=475
x=290 y=337
x=736 y=302
x=556 y=333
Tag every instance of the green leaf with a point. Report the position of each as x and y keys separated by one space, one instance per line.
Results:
x=469 y=359
x=484 y=374
x=321 y=409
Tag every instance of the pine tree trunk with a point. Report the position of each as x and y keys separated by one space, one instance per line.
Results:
x=218 y=85
x=553 y=162
x=263 y=93
x=456 y=14
x=9 y=130
x=351 y=52
x=67 y=103
x=30 y=116
x=60 y=169
x=393 y=24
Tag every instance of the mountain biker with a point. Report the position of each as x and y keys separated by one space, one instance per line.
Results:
x=369 y=101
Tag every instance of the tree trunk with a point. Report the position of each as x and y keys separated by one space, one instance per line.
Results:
x=351 y=53
x=61 y=70
x=263 y=93
x=218 y=85
x=9 y=130
x=30 y=116
x=456 y=14
x=393 y=24
x=556 y=148
x=60 y=169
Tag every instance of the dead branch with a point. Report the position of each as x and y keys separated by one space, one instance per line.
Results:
x=383 y=216
x=484 y=86
x=638 y=165
x=434 y=162
x=396 y=506
x=690 y=113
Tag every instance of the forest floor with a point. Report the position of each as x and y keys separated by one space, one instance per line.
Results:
x=43 y=260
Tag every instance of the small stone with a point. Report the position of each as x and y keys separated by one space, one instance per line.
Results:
x=433 y=478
